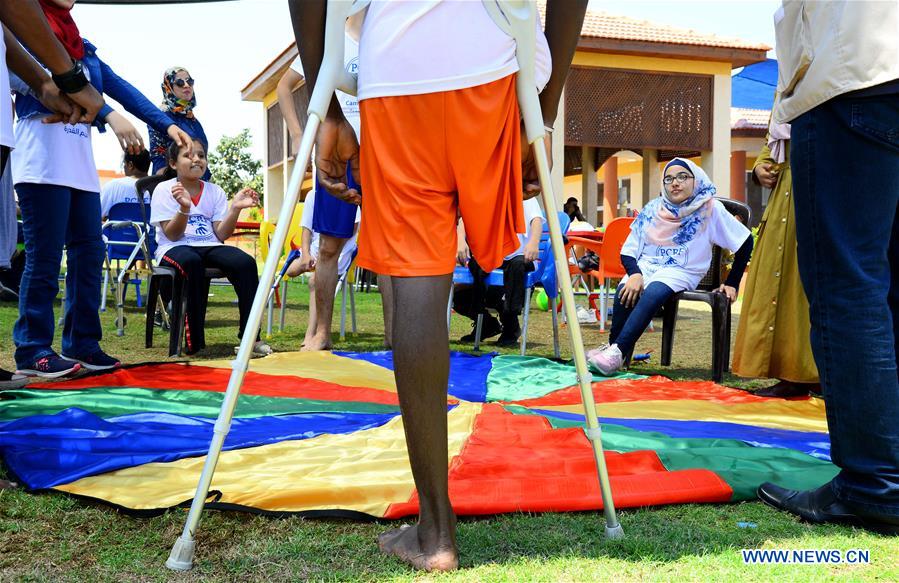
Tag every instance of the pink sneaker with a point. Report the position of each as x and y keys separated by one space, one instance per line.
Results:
x=607 y=360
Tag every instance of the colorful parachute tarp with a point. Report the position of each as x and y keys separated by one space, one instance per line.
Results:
x=320 y=433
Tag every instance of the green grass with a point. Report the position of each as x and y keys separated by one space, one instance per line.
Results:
x=51 y=537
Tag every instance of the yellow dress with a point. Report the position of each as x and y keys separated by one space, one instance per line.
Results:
x=773 y=334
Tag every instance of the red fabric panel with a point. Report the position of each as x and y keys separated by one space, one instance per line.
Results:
x=501 y=470
x=204 y=378
x=651 y=389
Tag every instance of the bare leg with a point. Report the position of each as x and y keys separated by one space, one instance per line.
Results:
x=325 y=285
x=313 y=314
x=421 y=365
x=385 y=285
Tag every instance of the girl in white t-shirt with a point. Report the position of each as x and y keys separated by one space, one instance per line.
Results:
x=192 y=219
x=669 y=250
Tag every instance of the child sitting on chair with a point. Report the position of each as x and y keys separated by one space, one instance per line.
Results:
x=669 y=250
x=192 y=219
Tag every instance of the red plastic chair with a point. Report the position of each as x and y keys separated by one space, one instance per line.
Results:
x=609 y=251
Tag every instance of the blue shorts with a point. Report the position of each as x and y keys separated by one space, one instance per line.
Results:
x=332 y=216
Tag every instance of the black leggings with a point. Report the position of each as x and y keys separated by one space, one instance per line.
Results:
x=191 y=263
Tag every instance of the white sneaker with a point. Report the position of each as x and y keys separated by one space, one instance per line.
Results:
x=607 y=360
x=586 y=316
x=260 y=348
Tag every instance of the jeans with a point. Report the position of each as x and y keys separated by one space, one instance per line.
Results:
x=54 y=216
x=191 y=263
x=628 y=324
x=843 y=152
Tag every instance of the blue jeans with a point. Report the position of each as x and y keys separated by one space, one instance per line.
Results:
x=628 y=324
x=843 y=152
x=54 y=216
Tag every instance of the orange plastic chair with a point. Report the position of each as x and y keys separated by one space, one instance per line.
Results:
x=609 y=251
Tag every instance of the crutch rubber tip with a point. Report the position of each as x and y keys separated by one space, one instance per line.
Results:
x=613 y=532
x=182 y=556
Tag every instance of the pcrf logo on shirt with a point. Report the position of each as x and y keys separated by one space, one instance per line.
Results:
x=671 y=256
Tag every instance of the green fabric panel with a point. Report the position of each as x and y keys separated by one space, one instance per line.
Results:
x=744 y=467
x=112 y=402
x=514 y=378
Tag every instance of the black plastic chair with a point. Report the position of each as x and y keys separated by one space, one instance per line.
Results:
x=707 y=292
x=175 y=319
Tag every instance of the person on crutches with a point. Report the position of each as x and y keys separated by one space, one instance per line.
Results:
x=441 y=133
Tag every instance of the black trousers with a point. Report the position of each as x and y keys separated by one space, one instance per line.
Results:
x=191 y=263
x=508 y=301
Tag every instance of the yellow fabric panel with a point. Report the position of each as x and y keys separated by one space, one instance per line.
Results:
x=364 y=471
x=320 y=365
x=797 y=415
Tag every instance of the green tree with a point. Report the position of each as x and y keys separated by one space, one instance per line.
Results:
x=233 y=166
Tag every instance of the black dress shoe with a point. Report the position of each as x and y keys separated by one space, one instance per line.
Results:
x=490 y=328
x=785 y=390
x=820 y=506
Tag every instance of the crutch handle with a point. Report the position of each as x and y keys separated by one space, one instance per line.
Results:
x=332 y=73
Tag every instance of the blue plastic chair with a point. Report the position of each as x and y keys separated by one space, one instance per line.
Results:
x=544 y=274
x=128 y=237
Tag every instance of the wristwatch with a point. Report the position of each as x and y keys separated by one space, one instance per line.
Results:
x=73 y=80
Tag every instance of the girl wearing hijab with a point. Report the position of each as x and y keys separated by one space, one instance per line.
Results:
x=179 y=101
x=56 y=180
x=669 y=250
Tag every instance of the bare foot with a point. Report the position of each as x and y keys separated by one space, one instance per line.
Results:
x=403 y=543
x=7 y=485
x=316 y=343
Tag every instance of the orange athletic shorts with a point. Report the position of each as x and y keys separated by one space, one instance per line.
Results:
x=426 y=158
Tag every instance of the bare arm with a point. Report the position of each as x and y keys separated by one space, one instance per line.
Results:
x=246 y=198
x=308 y=18
x=174 y=228
x=563 y=30
x=286 y=85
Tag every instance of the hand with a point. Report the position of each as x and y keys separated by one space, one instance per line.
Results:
x=633 y=289
x=304 y=264
x=245 y=198
x=89 y=100
x=64 y=110
x=529 y=176
x=130 y=140
x=463 y=253
x=532 y=251
x=181 y=196
x=336 y=145
x=295 y=139
x=767 y=174
x=729 y=291
x=179 y=136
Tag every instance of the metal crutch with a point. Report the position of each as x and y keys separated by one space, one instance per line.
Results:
x=518 y=18
x=331 y=76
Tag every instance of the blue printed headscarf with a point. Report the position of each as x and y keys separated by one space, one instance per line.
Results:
x=665 y=223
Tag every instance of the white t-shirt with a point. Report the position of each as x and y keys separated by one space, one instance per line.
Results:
x=119 y=190
x=56 y=153
x=682 y=267
x=348 y=103
x=199 y=232
x=531 y=211
x=346 y=254
x=427 y=46
x=7 y=137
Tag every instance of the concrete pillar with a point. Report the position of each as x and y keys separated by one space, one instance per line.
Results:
x=652 y=179
x=738 y=175
x=589 y=185
x=716 y=162
x=610 y=190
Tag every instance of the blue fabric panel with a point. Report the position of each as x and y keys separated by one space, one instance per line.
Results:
x=814 y=444
x=468 y=372
x=47 y=450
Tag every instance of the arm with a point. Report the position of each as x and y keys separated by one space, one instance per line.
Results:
x=762 y=168
x=246 y=198
x=463 y=253
x=174 y=227
x=741 y=260
x=37 y=79
x=27 y=22
x=563 y=30
x=336 y=142
x=288 y=81
x=532 y=246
